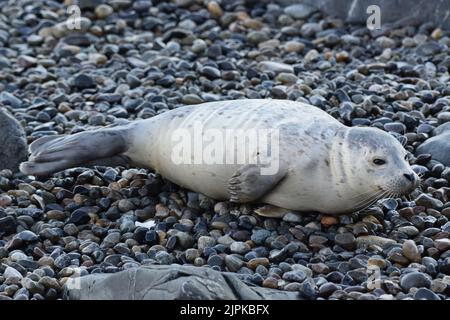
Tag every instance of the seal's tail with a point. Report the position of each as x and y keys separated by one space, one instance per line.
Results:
x=51 y=154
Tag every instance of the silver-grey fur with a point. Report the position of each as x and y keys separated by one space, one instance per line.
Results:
x=324 y=165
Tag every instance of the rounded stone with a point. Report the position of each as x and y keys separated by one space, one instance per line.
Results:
x=415 y=280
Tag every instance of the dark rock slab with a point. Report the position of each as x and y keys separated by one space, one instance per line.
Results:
x=162 y=282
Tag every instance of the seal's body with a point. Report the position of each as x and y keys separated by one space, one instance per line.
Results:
x=321 y=165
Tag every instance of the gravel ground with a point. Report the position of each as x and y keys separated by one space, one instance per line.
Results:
x=138 y=59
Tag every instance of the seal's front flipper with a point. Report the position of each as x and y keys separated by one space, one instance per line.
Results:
x=249 y=184
x=49 y=155
x=272 y=211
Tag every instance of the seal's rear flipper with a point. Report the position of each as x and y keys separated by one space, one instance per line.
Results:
x=98 y=147
x=39 y=142
x=248 y=184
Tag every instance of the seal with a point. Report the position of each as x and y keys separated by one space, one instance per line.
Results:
x=307 y=161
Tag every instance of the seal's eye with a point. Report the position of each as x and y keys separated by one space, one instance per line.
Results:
x=379 y=162
x=406 y=157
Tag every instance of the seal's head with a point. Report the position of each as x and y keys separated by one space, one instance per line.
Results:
x=375 y=164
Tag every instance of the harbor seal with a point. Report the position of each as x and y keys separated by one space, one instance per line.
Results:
x=320 y=164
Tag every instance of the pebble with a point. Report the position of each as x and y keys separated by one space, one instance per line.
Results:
x=79 y=217
x=415 y=280
x=239 y=247
x=293 y=46
x=233 y=263
x=428 y=201
x=215 y=260
x=275 y=67
x=299 y=11
x=215 y=9
x=411 y=251
x=9 y=99
x=365 y=241
x=425 y=294
x=259 y=236
x=27 y=236
x=311 y=56
x=205 y=242
x=442 y=244
x=256 y=262
x=8 y=225
x=294 y=276
x=291 y=216
x=192 y=254
x=346 y=240
x=83 y=81
x=210 y=72
x=327 y=289
x=12 y=273
x=103 y=11
x=409 y=230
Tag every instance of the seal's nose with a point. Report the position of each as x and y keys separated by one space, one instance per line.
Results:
x=409 y=176
x=412 y=177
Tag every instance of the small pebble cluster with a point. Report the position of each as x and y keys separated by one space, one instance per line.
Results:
x=136 y=59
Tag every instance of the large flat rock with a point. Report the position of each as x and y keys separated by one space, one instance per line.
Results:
x=174 y=282
x=12 y=136
x=402 y=12
x=439 y=145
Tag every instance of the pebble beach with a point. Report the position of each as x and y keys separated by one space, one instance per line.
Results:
x=136 y=59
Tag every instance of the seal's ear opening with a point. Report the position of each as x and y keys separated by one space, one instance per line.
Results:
x=53 y=154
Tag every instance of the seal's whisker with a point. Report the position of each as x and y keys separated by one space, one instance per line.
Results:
x=375 y=199
x=404 y=142
x=370 y=200
x=370 y=192
x=361 y=204
x=422 y=184
x=366 y=199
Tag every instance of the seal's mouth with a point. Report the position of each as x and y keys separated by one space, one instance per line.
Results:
x=397 y=189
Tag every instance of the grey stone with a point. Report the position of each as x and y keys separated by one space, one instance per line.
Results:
x=7 y=98
x=346 y=241
x=12 y=273
x=259 y=236
x=240 y=247
x=415 y=280
x=13 y=139
x=365 y=241
x=425 y=294
x=299 y=11
x=205 y=242
x=233 y=263
x=445 y=127
x=27 y=235
x=168 y=283
x=428 y=201
x=8 y=225
x=438 y=146
x=297 y=276
x=276 y=67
